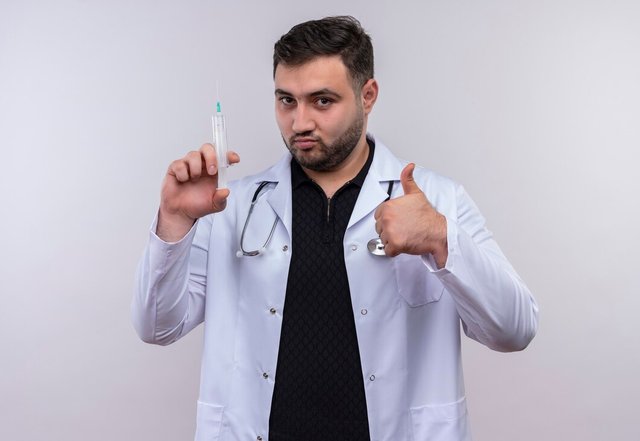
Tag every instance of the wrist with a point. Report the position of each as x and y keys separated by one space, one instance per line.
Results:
x=440 y=249
x=173 y=226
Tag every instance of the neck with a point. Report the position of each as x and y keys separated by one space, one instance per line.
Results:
x=332 y=180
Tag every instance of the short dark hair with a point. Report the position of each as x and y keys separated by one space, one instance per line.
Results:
x=340 y=35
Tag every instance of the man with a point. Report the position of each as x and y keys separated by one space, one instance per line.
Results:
x=314 y=329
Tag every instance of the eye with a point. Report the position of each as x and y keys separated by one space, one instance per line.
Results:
x=286 y=100
x=324 y=102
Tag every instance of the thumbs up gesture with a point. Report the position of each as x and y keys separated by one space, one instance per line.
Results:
x=409 y=224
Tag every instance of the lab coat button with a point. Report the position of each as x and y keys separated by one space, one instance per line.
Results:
x=259 y=438
x=363 y=311
x=372 y=377
x=354 y=247
x=285 y=248
x=265 y=375
x=272 y=310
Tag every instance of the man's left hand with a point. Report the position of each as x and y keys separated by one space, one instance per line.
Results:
x=409 y=224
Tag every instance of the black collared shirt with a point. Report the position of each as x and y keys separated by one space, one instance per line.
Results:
x=319 y=387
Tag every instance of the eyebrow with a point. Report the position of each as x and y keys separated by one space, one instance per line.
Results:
x=324 y=91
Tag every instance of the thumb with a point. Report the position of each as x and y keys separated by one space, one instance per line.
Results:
x=409 y=186
x=220 y=199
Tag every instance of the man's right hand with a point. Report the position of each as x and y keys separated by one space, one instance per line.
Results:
x=190 y=191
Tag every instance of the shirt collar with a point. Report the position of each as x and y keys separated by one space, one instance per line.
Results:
x=298 y=175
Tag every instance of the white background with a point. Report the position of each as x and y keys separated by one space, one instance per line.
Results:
x=533 y=105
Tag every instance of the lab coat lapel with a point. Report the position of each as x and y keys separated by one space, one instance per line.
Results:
x=371 y=195
x=280 y=198
x=384 y=168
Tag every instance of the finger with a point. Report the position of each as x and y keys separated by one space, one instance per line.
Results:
x=378 y=227
x=194 y=164
x=178 y=168
x=409 y=185
x=390 y=251
x=208 y=152
x=233 y=157
x=389 y=248
x=378 y=212
x=219 y=200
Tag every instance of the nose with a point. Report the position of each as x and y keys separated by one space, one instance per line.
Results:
x=302 y=120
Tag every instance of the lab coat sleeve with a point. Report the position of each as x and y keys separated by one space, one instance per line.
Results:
x=495 y=306
x=169 y=295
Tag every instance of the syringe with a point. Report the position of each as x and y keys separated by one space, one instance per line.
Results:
x=220 y=142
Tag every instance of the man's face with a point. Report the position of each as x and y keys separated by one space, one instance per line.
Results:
x=319 y=115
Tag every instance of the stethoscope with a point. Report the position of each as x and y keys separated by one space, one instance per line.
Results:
x=375 y=245
x=261 y=250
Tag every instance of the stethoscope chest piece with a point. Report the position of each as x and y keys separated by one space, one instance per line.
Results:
x=376 y=247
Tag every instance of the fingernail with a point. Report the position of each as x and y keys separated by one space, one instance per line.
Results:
x=212 y=169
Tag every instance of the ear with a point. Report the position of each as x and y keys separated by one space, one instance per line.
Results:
x=369 y=94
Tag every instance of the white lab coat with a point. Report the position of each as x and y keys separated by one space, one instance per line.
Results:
x=407 y=313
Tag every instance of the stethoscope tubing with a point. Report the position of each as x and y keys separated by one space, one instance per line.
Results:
x=375 y=245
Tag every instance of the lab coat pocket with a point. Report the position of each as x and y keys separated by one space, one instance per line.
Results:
x=209 y=421
x=414 y=281
x=444 y=422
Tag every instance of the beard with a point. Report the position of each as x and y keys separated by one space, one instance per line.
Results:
x=327 y=157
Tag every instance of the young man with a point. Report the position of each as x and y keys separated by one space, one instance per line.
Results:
x=332 y=306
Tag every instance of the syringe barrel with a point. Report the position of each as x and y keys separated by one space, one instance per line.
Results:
x=220 y=139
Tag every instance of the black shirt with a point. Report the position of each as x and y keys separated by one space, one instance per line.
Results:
x=319 y=387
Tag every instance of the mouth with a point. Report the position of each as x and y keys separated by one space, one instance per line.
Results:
x=304 y=143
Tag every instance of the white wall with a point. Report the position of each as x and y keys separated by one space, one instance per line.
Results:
x=534 y=106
